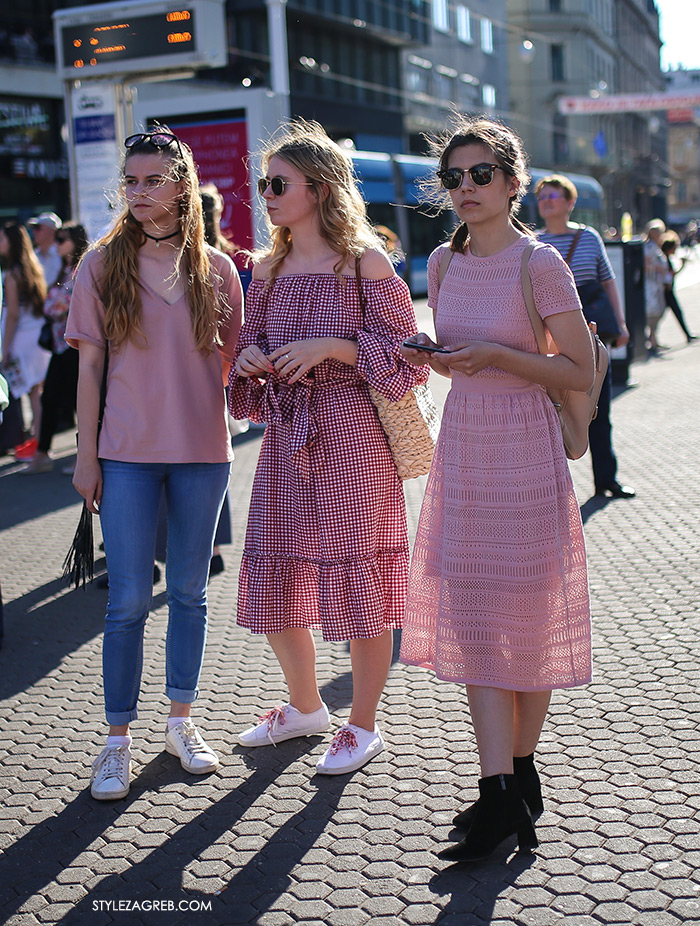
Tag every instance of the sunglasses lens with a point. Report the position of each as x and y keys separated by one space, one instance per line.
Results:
x=451 y=178
x=482 y=174
x=262 y=185
x=277 y=184
x=133 y=140
x=161 y=140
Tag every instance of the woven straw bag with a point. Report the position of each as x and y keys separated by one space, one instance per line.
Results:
x=411 y=424
x=576 y=410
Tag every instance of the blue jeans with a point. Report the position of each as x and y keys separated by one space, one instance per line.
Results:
x=129 y=516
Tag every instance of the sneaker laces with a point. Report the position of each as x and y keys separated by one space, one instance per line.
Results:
x=274 y=718
x=111 y=763
x=191 y=738
x=344 y=738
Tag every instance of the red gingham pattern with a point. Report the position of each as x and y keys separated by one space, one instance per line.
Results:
x=326 y=543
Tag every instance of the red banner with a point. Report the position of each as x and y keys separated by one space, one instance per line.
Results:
x=221 y=153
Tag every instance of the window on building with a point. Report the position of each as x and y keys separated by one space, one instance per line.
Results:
x=488 y=96
x=487 y=36
x=464 y=24
x=555 y=6
x=441 y=20
x=557 y=59
x=560 y=142
x=682 y=194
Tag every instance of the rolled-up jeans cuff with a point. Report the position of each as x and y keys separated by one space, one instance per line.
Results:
x=181 y=695
x=120 y=718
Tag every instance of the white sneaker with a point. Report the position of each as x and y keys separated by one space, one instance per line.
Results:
x=352 y=747
x=284 y=723
x=110 y=773
x=185 y=741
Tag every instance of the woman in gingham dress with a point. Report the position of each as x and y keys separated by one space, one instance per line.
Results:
x=326 y=543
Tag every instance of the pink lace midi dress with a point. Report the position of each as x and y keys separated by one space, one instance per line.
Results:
x=326 y=544
x=498 y=591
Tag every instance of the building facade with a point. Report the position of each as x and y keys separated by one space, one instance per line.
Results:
x=684 y=153
x=463 y=66
x=592 y=48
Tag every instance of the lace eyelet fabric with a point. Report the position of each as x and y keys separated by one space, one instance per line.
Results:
x=498 y=589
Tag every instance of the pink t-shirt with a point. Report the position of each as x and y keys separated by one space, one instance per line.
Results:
x=165 y=401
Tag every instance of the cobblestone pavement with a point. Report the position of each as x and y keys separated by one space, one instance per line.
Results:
x=264 y=841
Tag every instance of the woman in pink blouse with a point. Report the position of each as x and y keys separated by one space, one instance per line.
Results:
x=161 y=310
x=326 y=544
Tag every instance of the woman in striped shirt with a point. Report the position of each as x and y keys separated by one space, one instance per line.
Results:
x=556 y=198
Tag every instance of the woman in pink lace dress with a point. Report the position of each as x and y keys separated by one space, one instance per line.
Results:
x=326 y=544
x=498 y=596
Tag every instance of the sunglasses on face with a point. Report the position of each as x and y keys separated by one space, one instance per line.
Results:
x=61 y=238
x=277 y=184
x=481 y=174
x=158 y=140
x=542 y=197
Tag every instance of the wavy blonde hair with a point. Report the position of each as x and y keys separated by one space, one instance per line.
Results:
x=508 y=151
x=342 y=211
x=119 y=281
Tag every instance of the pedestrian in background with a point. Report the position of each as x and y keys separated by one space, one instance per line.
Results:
x=656 y=277
x=61 y=382
x=498 y=597
x=163 y=311
x=669 y=246
x=326 y=543
x=44 y=229
x=582 y=248
x=24 y=362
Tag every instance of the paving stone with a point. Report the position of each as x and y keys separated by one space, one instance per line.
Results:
x=619 y=758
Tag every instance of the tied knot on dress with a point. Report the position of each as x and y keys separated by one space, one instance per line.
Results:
x=294 y=404
x=343 y=739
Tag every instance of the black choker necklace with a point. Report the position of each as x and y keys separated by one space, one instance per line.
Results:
x=164 y=238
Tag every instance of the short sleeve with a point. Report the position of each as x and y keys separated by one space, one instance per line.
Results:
x=87 y=313
x=552 y=282
x=604 y=267
x=434 y=262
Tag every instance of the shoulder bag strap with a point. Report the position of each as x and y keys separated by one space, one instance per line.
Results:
x=535 y=319
x=445 y=262
x=360 y=291
x=573 y=245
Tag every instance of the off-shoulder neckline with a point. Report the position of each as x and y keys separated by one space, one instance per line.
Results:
x=345 y=276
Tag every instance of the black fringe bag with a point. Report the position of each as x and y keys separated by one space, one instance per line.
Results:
x=79 y=564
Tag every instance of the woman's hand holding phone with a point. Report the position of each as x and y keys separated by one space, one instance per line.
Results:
x=420 y=344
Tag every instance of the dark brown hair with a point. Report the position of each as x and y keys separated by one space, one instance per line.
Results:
x=508 y=152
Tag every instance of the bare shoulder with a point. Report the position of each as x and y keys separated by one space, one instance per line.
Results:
x=375 y=265
x=261 y=269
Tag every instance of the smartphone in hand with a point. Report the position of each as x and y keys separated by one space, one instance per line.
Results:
x=429 y=348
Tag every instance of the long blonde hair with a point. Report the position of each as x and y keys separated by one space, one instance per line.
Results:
x=508 y=151
x=342 y=212
x=119 y=282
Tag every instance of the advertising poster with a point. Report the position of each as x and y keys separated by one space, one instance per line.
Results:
x=219 y=143
x=96 y=153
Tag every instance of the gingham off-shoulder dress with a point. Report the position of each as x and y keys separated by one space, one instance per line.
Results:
x=326 y=543
x=498 y=592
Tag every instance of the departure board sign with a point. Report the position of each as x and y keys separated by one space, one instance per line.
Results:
x=111 y=39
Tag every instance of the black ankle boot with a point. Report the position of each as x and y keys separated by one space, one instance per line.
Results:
x=500 y=812
x=530 y=788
